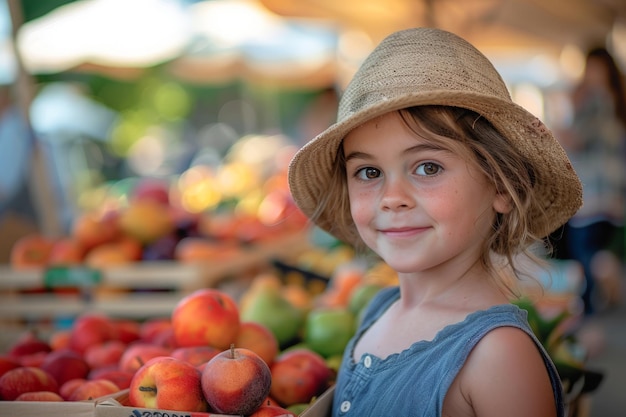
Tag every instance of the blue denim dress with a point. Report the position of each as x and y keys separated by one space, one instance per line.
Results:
x=415 y=382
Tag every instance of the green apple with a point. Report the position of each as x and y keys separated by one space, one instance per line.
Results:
x=361 y=296
x=328 y=330
x=268 y=307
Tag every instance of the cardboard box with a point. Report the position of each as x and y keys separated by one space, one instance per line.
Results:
x=117 y=406
x=322 y=406
x=49 y=408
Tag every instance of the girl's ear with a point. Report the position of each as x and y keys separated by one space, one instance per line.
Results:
x=502 y=203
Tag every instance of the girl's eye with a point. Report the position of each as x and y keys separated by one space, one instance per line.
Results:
x=428 y=169
x=368 y=173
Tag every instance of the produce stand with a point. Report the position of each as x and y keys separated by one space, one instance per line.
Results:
x=139 y=290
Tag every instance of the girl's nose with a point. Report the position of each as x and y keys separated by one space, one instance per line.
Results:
x=397 y=194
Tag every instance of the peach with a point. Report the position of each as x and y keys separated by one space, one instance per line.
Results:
x=206 y=317
x=25 y=379
x=40 y=396
x=298 y=375
x=259 y=339
x=167 y=383
x=92 y=389
x=236 y=381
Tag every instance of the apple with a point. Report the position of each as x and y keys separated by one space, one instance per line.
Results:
x=7 y=363
x=91 y=230
x=34 y=359
x=267 y=305
x=26 y=379
x=152 y=329
x=68 y=387
x=151 y=189
x=195 y=355
x=167 y=383
x=272 y=411
x=92 y=389
x=60 y=339
x=105 y=354
x=146 y=220
x=30 y=252
x=127 y=330
x=28 y=343
x=138 y=353
x=64 y=365
x=40 y=396
x=117 y=376
x=91 y=329
x=206 y=317
x=327 y=330
x=201 y=249
x=236 y=381
x=66 y=251
x=108 y=255
x=259 y=339
x=298 y=375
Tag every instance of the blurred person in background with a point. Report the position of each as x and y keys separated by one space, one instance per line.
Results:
x=596 y=144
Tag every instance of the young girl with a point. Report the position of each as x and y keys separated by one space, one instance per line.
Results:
x=436 y=170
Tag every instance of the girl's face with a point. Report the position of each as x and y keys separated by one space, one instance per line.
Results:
x=416 y=204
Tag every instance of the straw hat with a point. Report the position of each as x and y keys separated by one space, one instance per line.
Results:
x=425 y=66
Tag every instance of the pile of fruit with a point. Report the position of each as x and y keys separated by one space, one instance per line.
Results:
x=150 y=222
x=274 y=350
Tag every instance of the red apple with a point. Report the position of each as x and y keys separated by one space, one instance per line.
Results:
x=117 y=376
x=28 y=343
x=40 y=396
x=206 y=317
x=91 y=329
x=68 y=387
x=298 y=375
x=60 y=339
x=167 y=383
x=30 y=251
x=105 y=354
x=138 y=353
x=272 y=411
x=258 y=338
x=64 y=365
x=25 y=379
x=92 y=389
x=66 y=251
x=92 y=230
x=153 y=329
x=7 y=363
x=34 y=359
x=195 y=355
x=127 y=330
x=236 y=381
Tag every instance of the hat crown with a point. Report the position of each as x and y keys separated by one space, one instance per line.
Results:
x=417 y=61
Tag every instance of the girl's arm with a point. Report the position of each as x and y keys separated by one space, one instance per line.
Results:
x=505 y=375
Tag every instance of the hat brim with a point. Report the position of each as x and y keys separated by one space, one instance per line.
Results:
x=557 y=185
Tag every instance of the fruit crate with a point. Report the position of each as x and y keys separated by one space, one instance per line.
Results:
x=140 y=290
